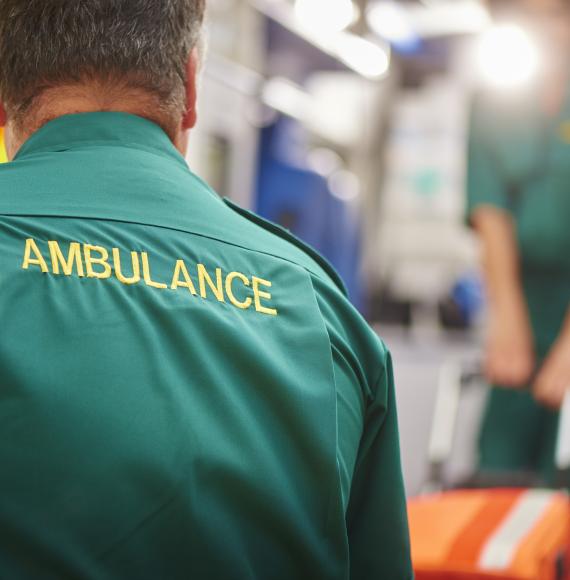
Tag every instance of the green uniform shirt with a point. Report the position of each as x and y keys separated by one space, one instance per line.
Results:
x=519 y=161
x=185 y=391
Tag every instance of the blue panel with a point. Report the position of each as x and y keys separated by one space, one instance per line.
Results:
x=300 y=200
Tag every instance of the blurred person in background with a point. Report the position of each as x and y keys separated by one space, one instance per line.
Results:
x=185 y=389
x=519 y=203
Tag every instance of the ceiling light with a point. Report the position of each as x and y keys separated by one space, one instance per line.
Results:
x=508 y=57
x=325 y=17
x=389 y=21
x=367 y=58
x=407 y=22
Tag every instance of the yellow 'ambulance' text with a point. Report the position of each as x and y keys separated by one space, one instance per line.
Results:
x=88 y=261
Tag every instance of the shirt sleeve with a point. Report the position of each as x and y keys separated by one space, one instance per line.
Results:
x=377 y=520
x=485 y=184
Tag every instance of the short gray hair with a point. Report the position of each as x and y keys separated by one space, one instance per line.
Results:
x=144 y=44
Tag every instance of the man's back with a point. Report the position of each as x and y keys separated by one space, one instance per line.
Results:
x=183 y=392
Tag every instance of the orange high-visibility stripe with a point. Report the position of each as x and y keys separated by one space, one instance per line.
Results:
x=436 y=521
x=534 y=555
x=467 y=548
x=551 y=532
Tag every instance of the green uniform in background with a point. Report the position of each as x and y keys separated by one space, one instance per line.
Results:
x=519 y=161
x=185 y=391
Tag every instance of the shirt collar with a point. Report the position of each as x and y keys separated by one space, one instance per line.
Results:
x=100 y=128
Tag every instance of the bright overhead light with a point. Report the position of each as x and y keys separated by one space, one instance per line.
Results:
x=325 y=17
x=367 y=58
x=314 y=27
x=450 y=17
x=508 y=57
x=405 y=22
x=389 y=21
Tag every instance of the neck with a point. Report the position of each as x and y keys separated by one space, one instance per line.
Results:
x=57 y=102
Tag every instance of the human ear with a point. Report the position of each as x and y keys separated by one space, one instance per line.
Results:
x=190 y=115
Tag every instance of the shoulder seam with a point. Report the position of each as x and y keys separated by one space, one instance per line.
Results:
x=291 y=238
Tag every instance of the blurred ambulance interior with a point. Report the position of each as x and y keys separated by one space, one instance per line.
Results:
x=347 y=122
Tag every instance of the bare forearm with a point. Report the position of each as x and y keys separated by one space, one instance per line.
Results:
x=553 y=380
x=510 y=356
x=500 y=258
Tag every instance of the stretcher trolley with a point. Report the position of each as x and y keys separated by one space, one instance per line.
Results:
x=520 y=532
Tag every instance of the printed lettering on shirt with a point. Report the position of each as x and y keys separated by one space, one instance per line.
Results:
x=130 y=268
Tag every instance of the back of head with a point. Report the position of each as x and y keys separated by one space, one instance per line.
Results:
x=116 y=45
